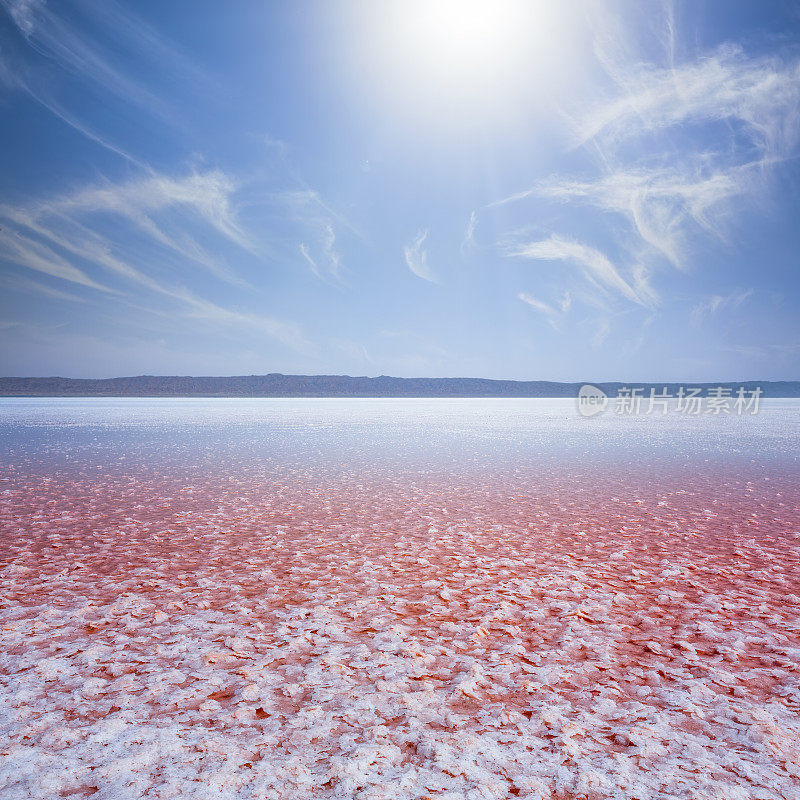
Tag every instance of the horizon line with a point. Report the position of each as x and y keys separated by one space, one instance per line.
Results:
x=648 y=382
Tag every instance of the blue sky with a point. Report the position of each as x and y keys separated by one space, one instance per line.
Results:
x=563 y=191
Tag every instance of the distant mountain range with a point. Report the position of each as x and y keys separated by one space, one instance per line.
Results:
x=277 y=385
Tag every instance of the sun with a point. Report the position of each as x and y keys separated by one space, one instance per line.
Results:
x=449 y=62
x=464 y=39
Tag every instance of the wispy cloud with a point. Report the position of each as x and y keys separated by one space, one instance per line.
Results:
x=23 y=12
x=719 y=302
x=309 y=205
x=27 y=252
x=78 y=54
x=19 y=78
x=78 y=242
x=317 y=222
x=23 y=284
x=289 y=333
x=553 y=313
x=661 y=204
x=670 y=106
x=75 y=236
x=74 y=221
x=54 y=54
x=207 y=194
x=417 y=258
x=56 y=58
x=469 y=232
x=307 y=256
x=760 y=95
x=329 y=255
x=593 y=264
x=537 y=305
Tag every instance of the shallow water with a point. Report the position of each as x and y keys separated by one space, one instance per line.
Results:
x=397 y=598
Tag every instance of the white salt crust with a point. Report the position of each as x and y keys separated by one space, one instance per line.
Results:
x=382 y=643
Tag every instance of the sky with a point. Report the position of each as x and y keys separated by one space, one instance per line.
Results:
x=527 y=190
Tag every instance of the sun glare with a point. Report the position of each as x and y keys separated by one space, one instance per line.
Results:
x=465 y=37
x=442 y=62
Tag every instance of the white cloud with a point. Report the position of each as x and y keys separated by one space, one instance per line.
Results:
x=417 y=258
x=74 y=222
x=554 y=313
x=26 y=252
x=20 y=283
x=538 y=305
x=724 y=119
x=308 y=206
x=23 y=12
x=73 y=49
x=329 y=248
x=469 y=233
x=660 y=204
x=80 y=242
x=208 y=195
x=594 y=265
x=307 y=256
x=719 y=302
x=289 y=333
x=329 y=255
x=761 y=96
x=56 y=55
x=58 y=236
x=642 y=286
x=19 y=77
x=318 y=223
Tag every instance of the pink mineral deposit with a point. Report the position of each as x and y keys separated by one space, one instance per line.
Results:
x=399 y=638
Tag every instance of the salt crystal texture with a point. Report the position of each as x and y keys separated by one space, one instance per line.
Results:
x=397 y=637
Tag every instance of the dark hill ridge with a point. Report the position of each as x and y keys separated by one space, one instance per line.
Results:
x=278 y=385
